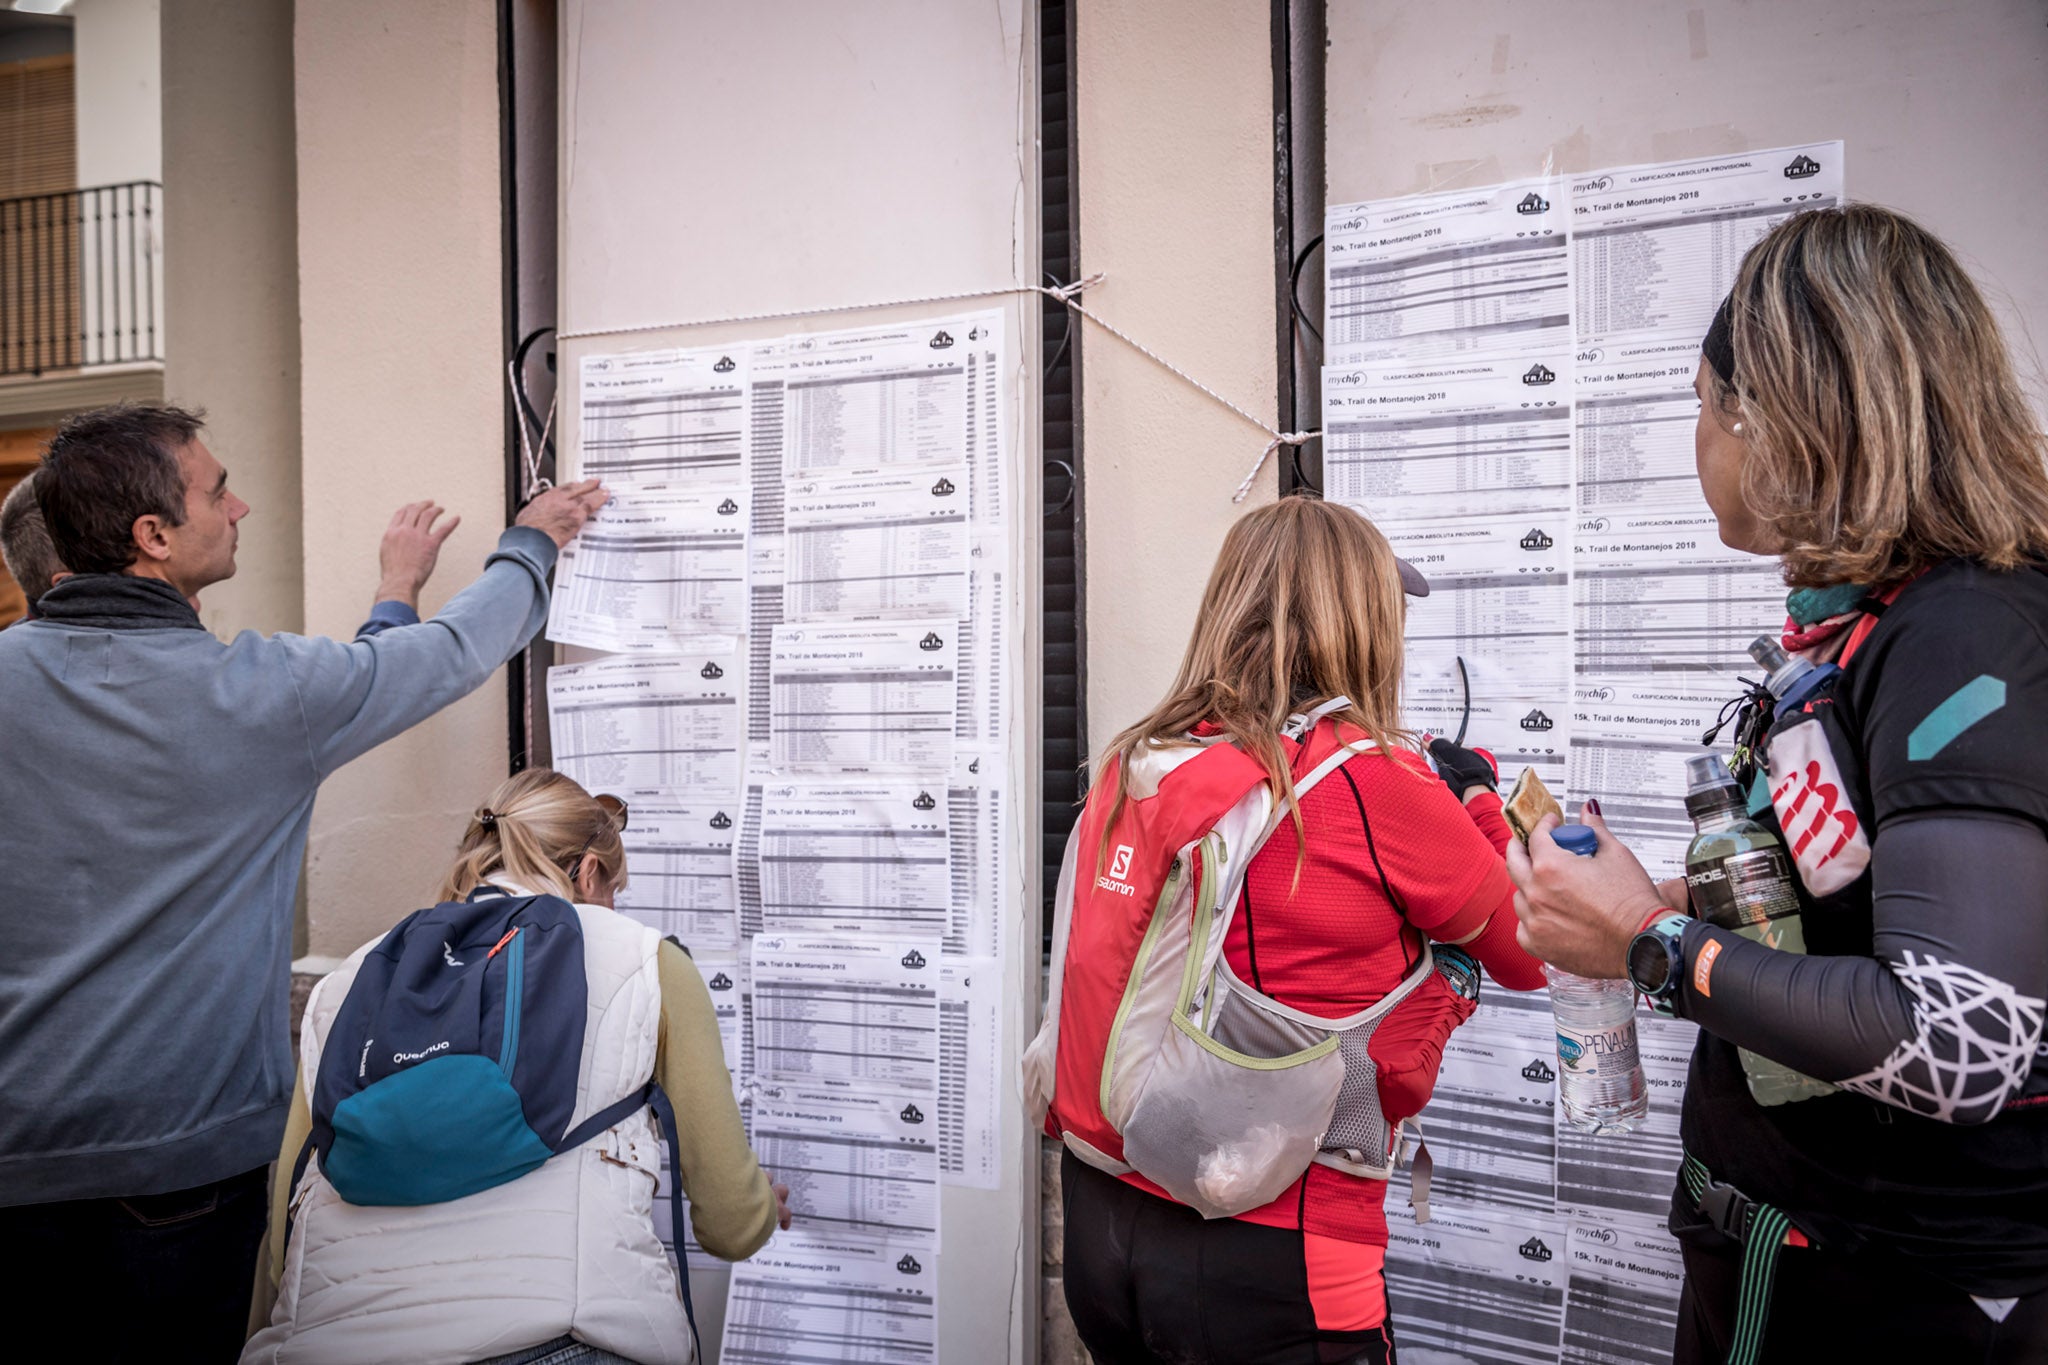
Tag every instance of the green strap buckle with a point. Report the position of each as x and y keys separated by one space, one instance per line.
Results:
x=1761 y=1229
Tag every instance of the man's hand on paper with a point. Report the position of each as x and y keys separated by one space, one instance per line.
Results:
x=1579 y=913
x=410 y=549
x=561 y=511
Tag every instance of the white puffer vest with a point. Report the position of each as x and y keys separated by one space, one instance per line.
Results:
x=567 y=1248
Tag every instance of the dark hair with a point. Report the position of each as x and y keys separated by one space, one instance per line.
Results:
x=104 y=469
x=25 y=545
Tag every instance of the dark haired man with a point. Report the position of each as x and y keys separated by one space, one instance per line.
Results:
x=405 y=558
x=158 y=784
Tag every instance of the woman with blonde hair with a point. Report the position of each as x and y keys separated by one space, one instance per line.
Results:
x=1295 y=664
x=1860 y=420
x=562 y=1263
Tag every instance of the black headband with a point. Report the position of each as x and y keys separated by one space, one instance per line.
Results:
x=1719 y=347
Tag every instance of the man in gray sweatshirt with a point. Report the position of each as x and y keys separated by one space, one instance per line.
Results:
x=156 y=786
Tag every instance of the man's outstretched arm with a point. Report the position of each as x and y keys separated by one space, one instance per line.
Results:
x=356 y=696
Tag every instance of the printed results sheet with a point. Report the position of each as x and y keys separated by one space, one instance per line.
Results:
x=807 y=533
x=1601 y=673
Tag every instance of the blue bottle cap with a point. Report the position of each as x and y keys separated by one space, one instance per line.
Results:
x=1579 y=839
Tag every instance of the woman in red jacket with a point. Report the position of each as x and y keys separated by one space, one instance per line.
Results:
x=1305 y=605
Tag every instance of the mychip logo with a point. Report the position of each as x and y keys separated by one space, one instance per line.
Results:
x=1533 y=202
x=724 y=365
x=1534 y=1250
x=1801 y=168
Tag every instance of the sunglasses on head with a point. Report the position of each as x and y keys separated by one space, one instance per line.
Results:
x=612 y=807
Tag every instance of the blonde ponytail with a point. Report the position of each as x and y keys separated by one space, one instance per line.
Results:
x=533 y=831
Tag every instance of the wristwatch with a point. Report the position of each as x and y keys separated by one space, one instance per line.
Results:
x=1656 y=961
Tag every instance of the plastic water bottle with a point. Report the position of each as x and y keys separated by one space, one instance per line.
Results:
x=1599 y=1072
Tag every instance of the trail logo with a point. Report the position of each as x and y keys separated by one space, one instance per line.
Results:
x=923 y=801
x=1533 y=202
x=913 y=959
x=940 y=341
x=1537 y=539
x=943 y=488
x=1539 y=374
x=728 y=508
x=912 y=1114
x=724 y=365
x=1538 y=722
x=1534 y=1250
x=930 y=642
x=1539 y=1071
x=720 y=982
x=710 y=670
x=721 y=821
x=1801 y=167
x=908 y=1265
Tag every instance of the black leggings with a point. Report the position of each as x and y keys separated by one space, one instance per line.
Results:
x=1151 y=1282
x=1830 y=1306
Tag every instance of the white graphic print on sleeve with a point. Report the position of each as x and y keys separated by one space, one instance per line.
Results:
x=1973 y=1042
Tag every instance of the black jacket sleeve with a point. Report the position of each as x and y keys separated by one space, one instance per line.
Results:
x=1945 y=1019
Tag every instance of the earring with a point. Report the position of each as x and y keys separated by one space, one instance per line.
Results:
x=1736 y=428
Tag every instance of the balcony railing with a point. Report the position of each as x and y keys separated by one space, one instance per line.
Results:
x=81 y=278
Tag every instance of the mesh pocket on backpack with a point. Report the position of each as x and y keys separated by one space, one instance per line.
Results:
x=1230 y=1118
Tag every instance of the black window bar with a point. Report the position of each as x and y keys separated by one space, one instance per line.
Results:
x=78 y=278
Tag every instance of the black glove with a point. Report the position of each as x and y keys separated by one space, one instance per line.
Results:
x=1463 y=769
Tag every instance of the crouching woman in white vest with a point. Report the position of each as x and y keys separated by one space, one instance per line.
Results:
x=562 y=1263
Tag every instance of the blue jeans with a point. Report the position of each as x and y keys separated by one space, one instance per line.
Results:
x=155 y=1277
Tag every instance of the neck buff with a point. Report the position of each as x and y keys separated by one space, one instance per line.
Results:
x=111 y=601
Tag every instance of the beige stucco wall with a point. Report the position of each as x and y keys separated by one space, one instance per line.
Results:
x=231 y=279
x=1939 y=103
x=120 y=135
x=1175 y=115
x=399 y=302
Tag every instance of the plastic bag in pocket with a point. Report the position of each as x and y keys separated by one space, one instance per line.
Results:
x=1230 y=1118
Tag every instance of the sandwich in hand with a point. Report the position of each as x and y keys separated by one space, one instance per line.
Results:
x=1528 y=803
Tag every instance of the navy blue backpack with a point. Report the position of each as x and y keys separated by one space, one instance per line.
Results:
x=451 y=1066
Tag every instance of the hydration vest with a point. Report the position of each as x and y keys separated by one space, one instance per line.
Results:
x=1155 y=1057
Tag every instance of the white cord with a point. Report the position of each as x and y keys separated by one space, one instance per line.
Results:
x=1068 y=294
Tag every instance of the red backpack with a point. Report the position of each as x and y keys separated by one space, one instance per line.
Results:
x=1154 y=1056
